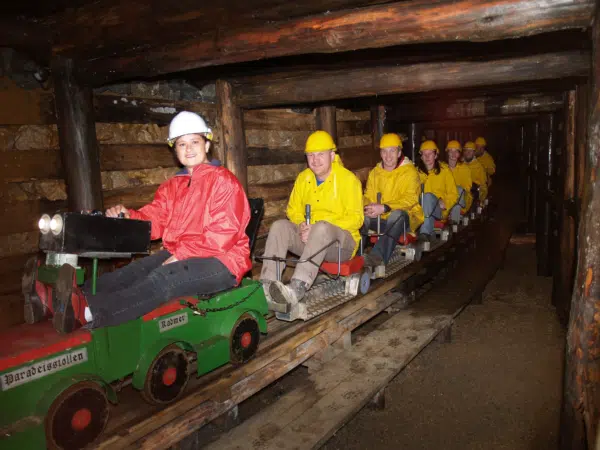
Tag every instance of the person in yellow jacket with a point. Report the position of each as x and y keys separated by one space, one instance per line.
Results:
x=485 y=158
x=439 y=188
x=397 y=179
x=462 y=176
x=336 y=213
x=478 y=174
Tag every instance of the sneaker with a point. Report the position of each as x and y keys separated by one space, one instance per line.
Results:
x=34 y=309
x=424 y=238
x=373 y=260
x=64 y=314
x=266 y=285
x=288 y=293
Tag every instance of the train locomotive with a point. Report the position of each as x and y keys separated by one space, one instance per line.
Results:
x=55 y=389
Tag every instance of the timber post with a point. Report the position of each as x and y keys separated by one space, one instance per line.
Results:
x=232 y=150
x=77 y=137
x=326 y=121
x=546 y=151
x=581 y=399
x=414 y=141
x=378 y=119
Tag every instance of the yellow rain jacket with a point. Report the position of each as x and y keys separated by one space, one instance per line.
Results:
x=478 y=176
x=400 y=189
x=462 y=176
x=488 y=163
x=338 y=200
x=442 y=185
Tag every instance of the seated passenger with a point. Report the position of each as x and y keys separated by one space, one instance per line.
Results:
x=397 y=179
x=478 y=174
x=439 y=189
x=485 y=159
x=335 y=198
x=462 y=176
x=201 y=215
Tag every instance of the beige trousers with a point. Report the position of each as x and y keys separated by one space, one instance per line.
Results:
x=284 y=236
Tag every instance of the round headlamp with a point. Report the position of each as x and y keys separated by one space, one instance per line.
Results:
x=44 y=223
x=56 y=224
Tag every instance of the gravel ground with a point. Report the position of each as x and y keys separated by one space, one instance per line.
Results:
x=497 y=385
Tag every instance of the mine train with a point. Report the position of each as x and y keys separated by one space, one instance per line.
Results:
x=55 y=389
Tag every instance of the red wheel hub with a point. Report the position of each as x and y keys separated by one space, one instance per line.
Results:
x=246 y=339
x=81 y=419
x=169 y=376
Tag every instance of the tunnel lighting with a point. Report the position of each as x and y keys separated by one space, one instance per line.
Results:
x=56 y=224
x=44 y=224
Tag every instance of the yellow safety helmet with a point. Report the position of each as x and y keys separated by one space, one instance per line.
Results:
x=480 y=141
x=453 y=145
x=469 y=146
x=319 y=141
x=390 y=140
x=429 y=145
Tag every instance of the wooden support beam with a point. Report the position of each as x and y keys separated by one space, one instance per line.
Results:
x=581 y=400
x=326 y=121
x=77 y=137
x=378 y=125
x=233 y=141
x=545 y=185
x=457 y=108
x=364 y=82
x=376 y=26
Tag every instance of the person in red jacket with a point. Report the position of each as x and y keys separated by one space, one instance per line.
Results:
x=201 y=215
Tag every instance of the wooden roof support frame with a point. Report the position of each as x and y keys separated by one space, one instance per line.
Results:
x=412 y=22
x=312 y=87
x=581 y=400
x=232 y=153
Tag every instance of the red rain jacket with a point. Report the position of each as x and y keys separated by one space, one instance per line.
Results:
x=202 y=215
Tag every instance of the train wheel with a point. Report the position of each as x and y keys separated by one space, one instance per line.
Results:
x=365 y=282
x=244 y=339
x=167 y=376
x=77 y=417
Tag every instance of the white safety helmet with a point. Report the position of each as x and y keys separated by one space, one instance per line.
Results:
x=187 y=122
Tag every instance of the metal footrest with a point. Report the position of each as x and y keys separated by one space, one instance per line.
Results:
x=321 y=298
x=401 y=258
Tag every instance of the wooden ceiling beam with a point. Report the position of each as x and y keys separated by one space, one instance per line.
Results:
x=325 y=86
x=410 y=22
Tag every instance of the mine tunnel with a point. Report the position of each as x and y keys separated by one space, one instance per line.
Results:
x=482 y=334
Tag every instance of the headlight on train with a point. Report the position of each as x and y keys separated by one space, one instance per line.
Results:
x=44 y=223
x=56 y=224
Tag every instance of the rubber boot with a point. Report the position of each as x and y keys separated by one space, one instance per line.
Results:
x=37 y=295
x=69 y=310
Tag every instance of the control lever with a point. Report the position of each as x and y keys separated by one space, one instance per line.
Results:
x=379 y=215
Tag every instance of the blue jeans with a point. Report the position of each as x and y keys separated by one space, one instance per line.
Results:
x=145 y=284
x=431 y=210
x=393 y=227
x=461 y=203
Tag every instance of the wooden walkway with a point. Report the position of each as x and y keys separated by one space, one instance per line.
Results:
x=134 y=424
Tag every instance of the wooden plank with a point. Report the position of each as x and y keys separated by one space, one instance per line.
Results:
x=233 y=140
x=133 y=197
x=278 y=119
x=358 y=157
x=272 y=191
x=317 y=86
x=268 y=156
x=131 y=109
x=19 y=243
x=24 y=165
x=131 y=157
x=370 y=27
